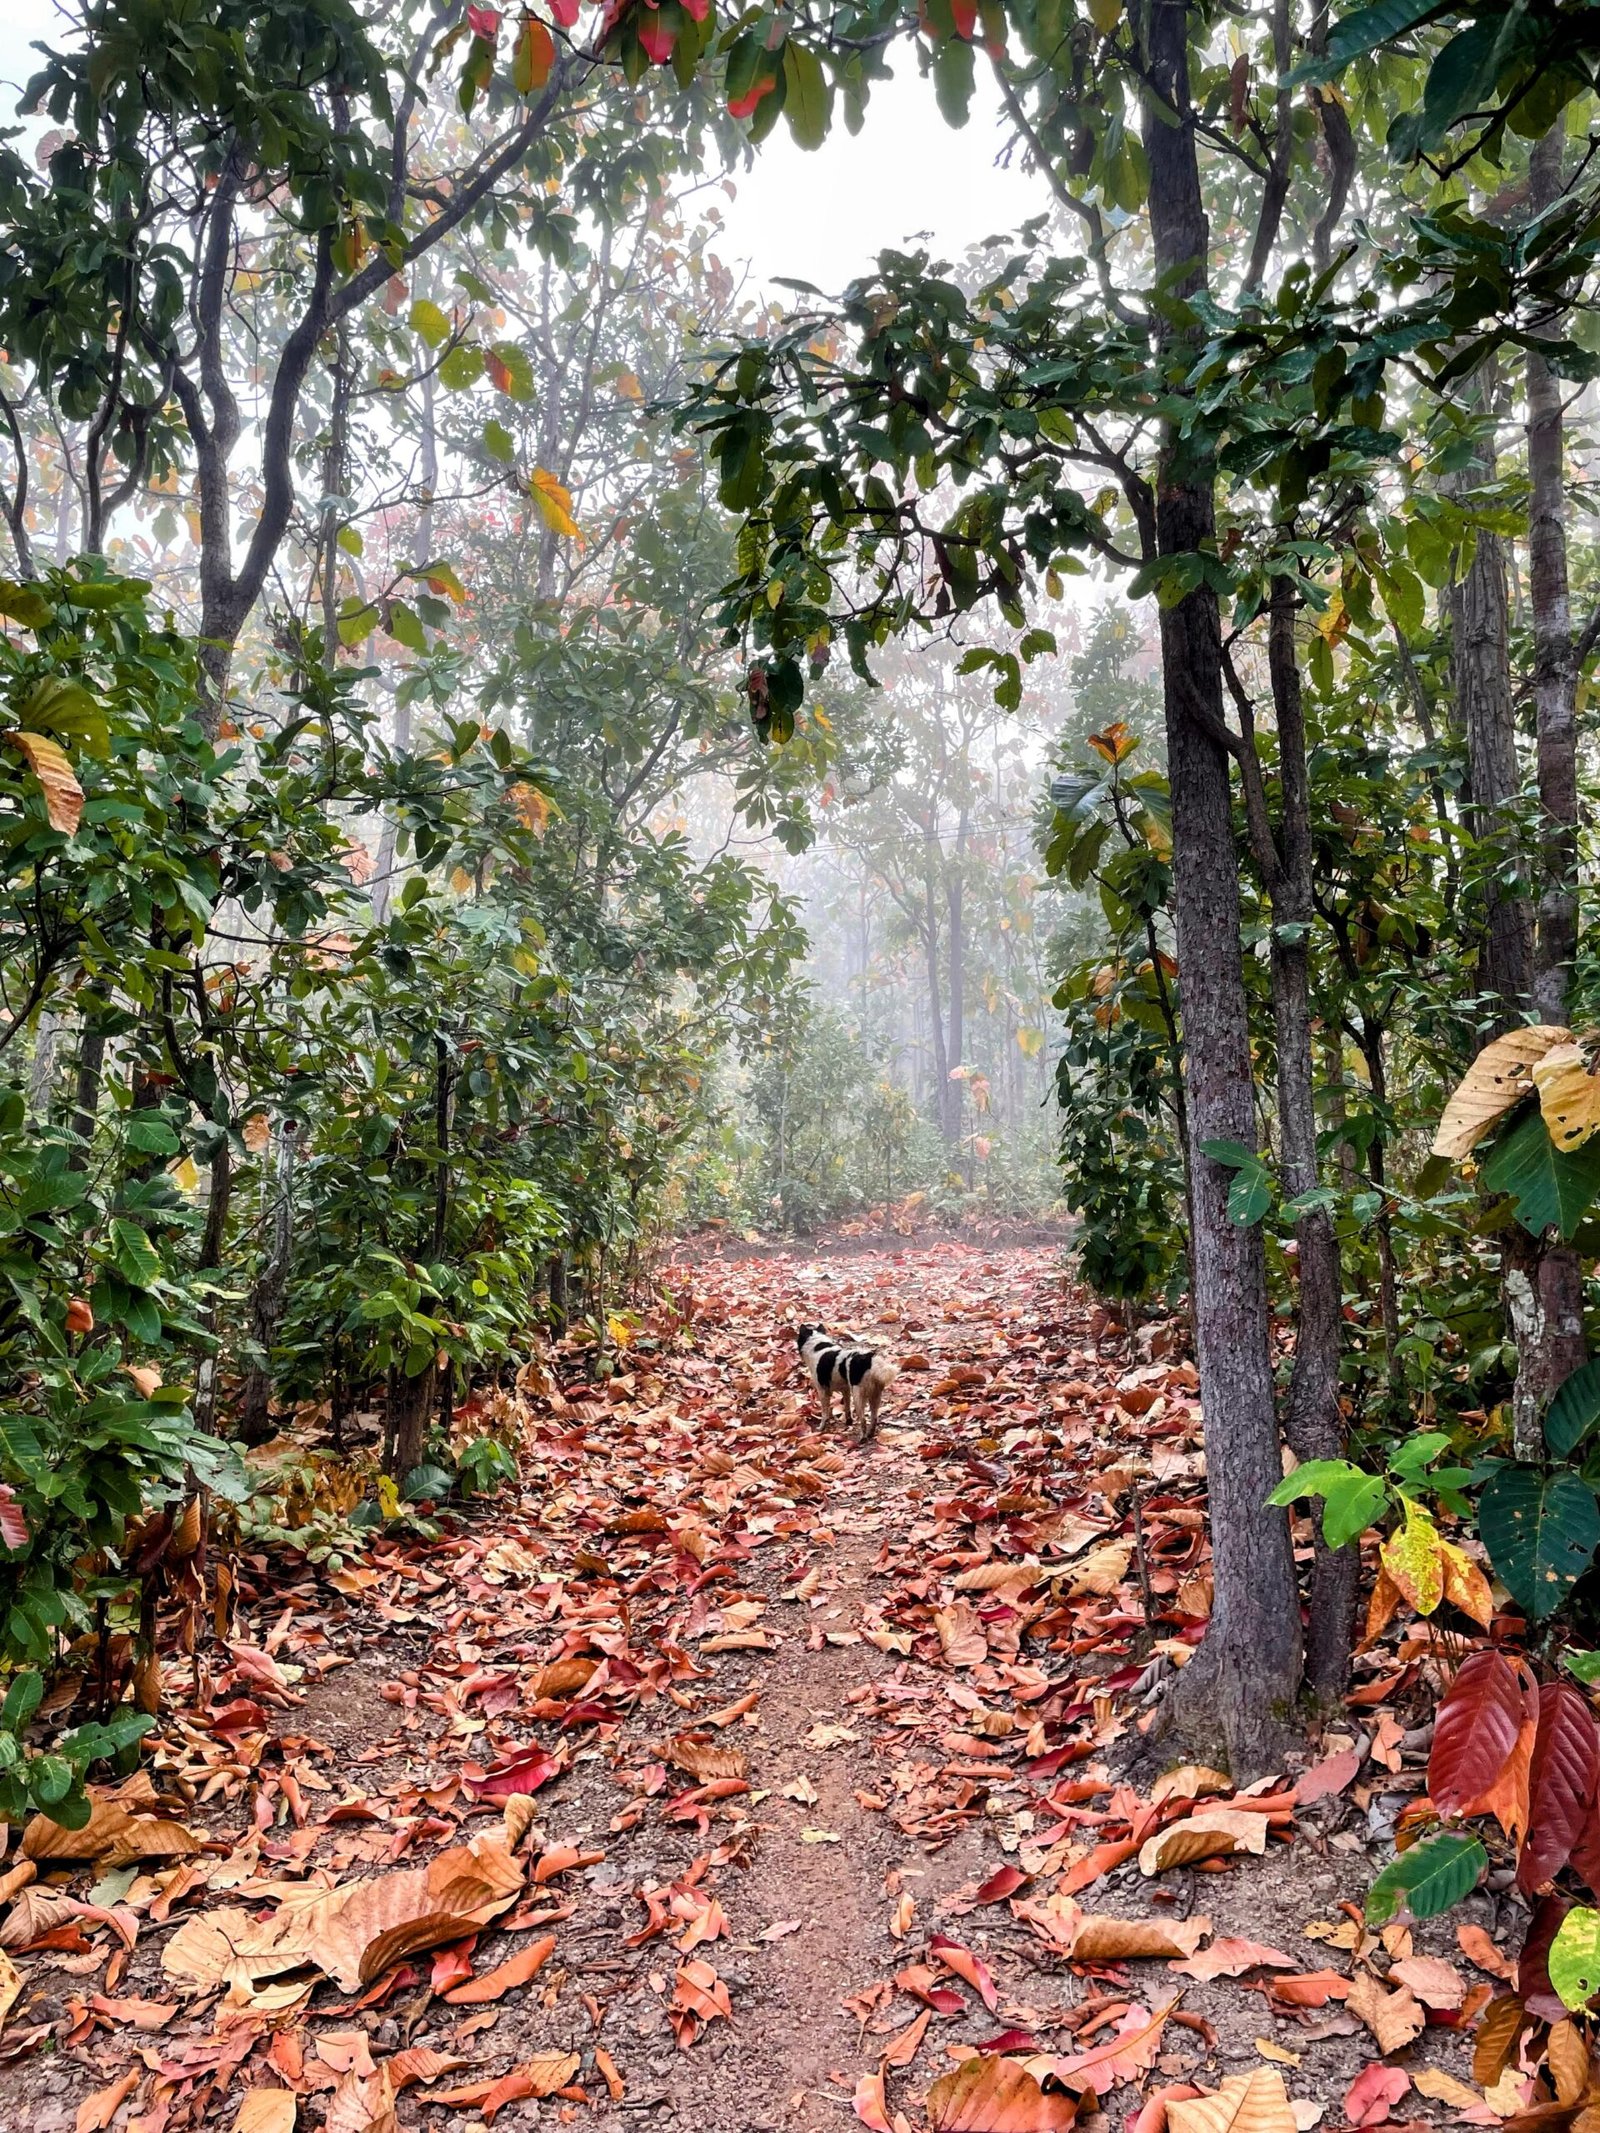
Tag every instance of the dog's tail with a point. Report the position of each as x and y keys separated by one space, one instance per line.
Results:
x=882 y=1373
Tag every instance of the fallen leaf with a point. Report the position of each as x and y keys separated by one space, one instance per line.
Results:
x=1215 y=1833
x=1435 y=1982
x=1371 y=2097
x=995 y=2095
x=1256 y=2102
x=496 y=1983
x=264 y=2110
x=1394 y=2018
x=1232 y=1958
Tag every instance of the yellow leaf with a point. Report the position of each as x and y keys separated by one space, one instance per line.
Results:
x=628 y=387
x=1117 y=741
x=63 y=795
x=1030 y=1042
x=1500 y=1076
x=266 y=2111
x=184 y=1174
x=1569 y=1095
x=1414 y=1559
x=1106 y=14
x=532 y=805
x=552 y=502
x=1465 y=1585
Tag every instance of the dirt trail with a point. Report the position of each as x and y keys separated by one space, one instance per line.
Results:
x=695 y=1572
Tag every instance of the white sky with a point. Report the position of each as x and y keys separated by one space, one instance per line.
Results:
x=819 y=217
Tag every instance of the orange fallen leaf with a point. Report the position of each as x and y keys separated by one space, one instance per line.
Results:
x=994 y=2095
x=496 y=1983
x=96 y=2112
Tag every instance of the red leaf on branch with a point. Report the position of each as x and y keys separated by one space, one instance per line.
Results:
x=1476 y=1732
x=13 y=1526
x=1566 y=1768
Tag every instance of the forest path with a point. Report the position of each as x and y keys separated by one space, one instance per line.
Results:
x=802 y=1747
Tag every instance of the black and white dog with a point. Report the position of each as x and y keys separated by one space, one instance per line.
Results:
x=861 y=1374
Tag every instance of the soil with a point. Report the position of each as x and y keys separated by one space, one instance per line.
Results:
x=814 y=1887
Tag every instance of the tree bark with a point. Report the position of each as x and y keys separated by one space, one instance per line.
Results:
x=268 y=1296
x=1545 y=1288
x=1241 y=1684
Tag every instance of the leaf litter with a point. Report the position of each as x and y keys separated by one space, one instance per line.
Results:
x=737 y=1775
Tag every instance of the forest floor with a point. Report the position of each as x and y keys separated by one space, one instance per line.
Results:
x=735 y=1777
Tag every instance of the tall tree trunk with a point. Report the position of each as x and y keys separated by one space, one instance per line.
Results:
x=421 y=552
x=268 y=1296
x=1481 y=672
x=1314 y=1419
x=954 y=890
x=1544 y=1285
x=942 y=1089
x=1242 y=1682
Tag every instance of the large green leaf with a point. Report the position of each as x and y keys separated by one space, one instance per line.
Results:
x=1574 y=1411
x=1574 y=1959
x=1551 y=1190
x=1541 y=1531
x=1428 y=1878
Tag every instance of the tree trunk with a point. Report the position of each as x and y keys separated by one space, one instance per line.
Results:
x=942 y=1089
x=1241 y=1684
x=954 y=888
x=1481 y=663
x=268 y=1297
x=410 y=1406
x=1314 y=1419
x=1549 y=1291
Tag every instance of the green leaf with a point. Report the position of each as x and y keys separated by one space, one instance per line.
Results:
x=499 y=443
x=1574 y=1411
x=1550 y=1189
x=1428 y=1878
x=1585 y=1665
x=1574 y=1960
x=953 y=80
x=1351 y=1506
x=430 y=322
x=808 y=100
x=1541 y=1531
x=462 y=367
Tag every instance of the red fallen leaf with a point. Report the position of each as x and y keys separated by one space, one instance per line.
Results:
x=96 y=2112
x=561 y=1859
x=1331 y=1775
x=1009 y=2040
x=496 y=1983
x=524 y=1771
x=901 y=2050
x=967 y=1966
x=698 y=1996
x=1373 y=2094
x=1004 y=1882
x=1153 y=2117
x=1561 y=1787
x=922 y=1984
x=1478 y=1948
x=871 y=2105
x=1475 y=1733
x=452 y=1965
x=995 y=2096
x=1100 y=1861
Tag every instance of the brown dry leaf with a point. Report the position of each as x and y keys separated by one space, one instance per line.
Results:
x=1433 y=2082
x=1394 y=2018
x=266 y=2111
x=1569 y=1095
x=1566 y=2054
x=377 y=1922
x=228 y=1948
x=516 y=1819
x=1191 y=1781
x=708 y=1760
x=698 y=1996
x=995 y=1577
x=1435 y=1982
x=871 y=2105
x=1115 y=1940
x=1232 y=1958
x=994 y=2095
x=10 y=1986
x=111 y=1837
x=1214 y=1833
x=1256 y=2102
x=1494 y=2047
x=901 y=2050
x=52 y=768
x=961 y=1636
x=1500 y=1076
x=1101 y=1572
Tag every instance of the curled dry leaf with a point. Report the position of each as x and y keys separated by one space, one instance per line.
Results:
x=1101 y=1572
x=871 y=2104
x=1433 y=2082
x=1372 y=2096
x=1480 y=1950
x=1256 y=2102
x=10 y=1986
x=1566 y=2055
x=1569 y=1095
x=1214 y=1833
x=1085 y=1938
x=52 y=770
x=994 y=2095
x=1500 y=1076
x=96 y=2112
x=698 y=1996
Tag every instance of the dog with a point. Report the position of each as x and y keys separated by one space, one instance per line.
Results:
x=861 y=1374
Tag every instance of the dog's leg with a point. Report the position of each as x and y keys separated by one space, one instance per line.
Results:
x=825 y=1395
